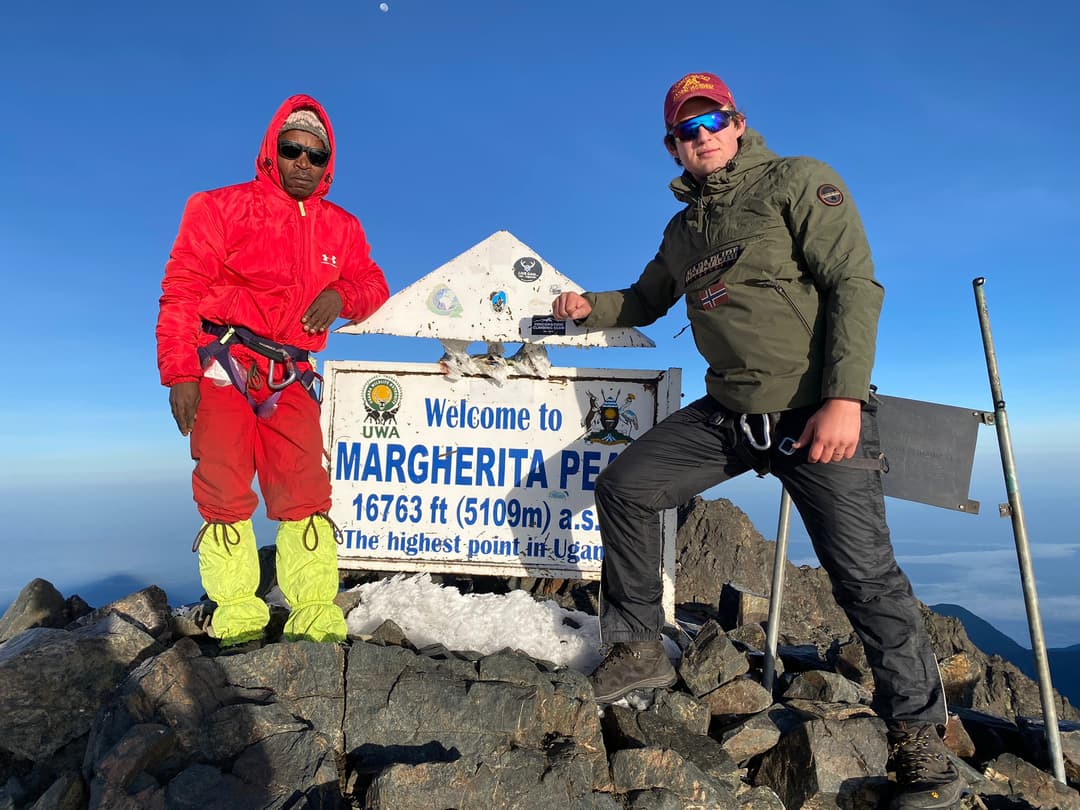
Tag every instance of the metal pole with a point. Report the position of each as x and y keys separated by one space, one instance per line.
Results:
x=776 y=595
x=1023 y=553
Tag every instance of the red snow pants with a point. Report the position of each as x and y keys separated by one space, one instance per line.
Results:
x=230 y=445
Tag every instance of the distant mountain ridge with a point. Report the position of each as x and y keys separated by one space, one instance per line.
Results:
x=1064 y=661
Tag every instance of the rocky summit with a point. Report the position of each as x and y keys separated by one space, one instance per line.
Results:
x=132 y=705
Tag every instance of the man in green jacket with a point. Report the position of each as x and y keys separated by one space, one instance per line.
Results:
x=772 y=262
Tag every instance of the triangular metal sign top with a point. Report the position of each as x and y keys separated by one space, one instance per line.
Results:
x=499 y=290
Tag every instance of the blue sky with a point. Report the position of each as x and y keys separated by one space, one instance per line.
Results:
x=953 y=124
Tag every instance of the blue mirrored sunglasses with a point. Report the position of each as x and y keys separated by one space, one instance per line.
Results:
x=712 y=122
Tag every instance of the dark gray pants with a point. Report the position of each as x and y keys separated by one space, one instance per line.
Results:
x=843 y=509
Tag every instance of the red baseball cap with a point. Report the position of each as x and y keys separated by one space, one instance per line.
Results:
x=704 y=85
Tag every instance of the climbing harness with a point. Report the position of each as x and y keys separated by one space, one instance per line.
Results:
x=251 y=380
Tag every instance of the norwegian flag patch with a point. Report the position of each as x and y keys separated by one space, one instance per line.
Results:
x=714 y=296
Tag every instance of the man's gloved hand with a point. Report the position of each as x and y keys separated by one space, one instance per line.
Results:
x=184 y=400
x=322 y=312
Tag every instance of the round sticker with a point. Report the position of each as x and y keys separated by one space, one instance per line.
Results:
x=830 y=194
x=527 y=268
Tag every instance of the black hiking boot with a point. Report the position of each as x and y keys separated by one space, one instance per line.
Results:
x=925 y=777
x=632 y=665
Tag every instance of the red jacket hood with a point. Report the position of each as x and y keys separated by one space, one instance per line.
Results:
x=266 y=164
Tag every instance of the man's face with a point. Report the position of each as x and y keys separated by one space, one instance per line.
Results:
x=299 y=177
x=708 y=151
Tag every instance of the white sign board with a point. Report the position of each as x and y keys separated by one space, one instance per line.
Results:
x=470 y=477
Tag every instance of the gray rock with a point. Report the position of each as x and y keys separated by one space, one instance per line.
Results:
x=408 y=708
x=1016 y=777
x=625 y=728
x=760 y=798
x=651 y=768
x=38 y=604
x=755 y=736
x=826 y=686
x=824 y=761
x=823 y=710
x=519 y=779
x=52 y=682
x=683 y=710
x=711 y=660
x=147 y=609
x=68 y=792
x=738 y=698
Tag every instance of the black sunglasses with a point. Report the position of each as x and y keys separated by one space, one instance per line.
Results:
x=291 y=150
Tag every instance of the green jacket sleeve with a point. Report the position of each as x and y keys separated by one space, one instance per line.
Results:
x=827 y=230
x=647 y=299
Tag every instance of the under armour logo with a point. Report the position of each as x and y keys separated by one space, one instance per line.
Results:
x=330 y=260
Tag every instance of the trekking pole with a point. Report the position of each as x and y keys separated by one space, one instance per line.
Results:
x=776 y=594
x=1015 y=510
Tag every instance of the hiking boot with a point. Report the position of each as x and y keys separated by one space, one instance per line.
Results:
x=925 y=776
x=632 y=665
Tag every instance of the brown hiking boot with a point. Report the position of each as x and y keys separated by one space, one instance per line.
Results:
x=926 y=779
x=632 y=665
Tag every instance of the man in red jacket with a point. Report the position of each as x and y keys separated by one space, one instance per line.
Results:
x=258 y=273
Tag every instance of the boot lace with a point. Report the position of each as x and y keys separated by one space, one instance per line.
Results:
x=914 y=758
x=224 y=534
x=312 y=529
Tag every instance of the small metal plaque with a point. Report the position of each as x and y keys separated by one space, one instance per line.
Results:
x=930 y=449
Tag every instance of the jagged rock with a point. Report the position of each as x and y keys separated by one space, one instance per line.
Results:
x=960 y=673
x=53 y=681
x=409 y=708
x=1033 y=733
x=957 y=739
x=760 y=798
x=147 y=609
x=555 y=779
x=821 y=761
x=849 y=659
x=1039 y=789
x=639 y=769
x=67 y=793
x=1002 y=690
x=991 y=735
x=748 y=739
x=625 y=728
x=389 y=633
x=823 y=710
x=751 y=636
x=711 y=660
x=829 y=687
x=682 y=709
x=737 y=554
x=265 y=724
x=741 y=696
x=801 y=657
x=38 y=604
x=280 y=727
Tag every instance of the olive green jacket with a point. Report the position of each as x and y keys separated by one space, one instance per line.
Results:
x=772 y=261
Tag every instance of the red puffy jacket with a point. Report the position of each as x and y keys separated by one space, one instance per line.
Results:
x=250 y=255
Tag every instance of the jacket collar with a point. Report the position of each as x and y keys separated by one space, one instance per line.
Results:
x=752 y=153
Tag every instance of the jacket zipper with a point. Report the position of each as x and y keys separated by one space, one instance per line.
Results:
x=784 y=294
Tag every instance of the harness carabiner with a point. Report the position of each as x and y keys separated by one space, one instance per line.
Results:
x=290 y=369
x=749 y=433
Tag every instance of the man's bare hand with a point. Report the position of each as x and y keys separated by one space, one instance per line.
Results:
x=322 y=312
x=184 y=400
x=832 y=433
x=570 y=306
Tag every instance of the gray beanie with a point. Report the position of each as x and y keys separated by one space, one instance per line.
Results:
x=307 y=121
